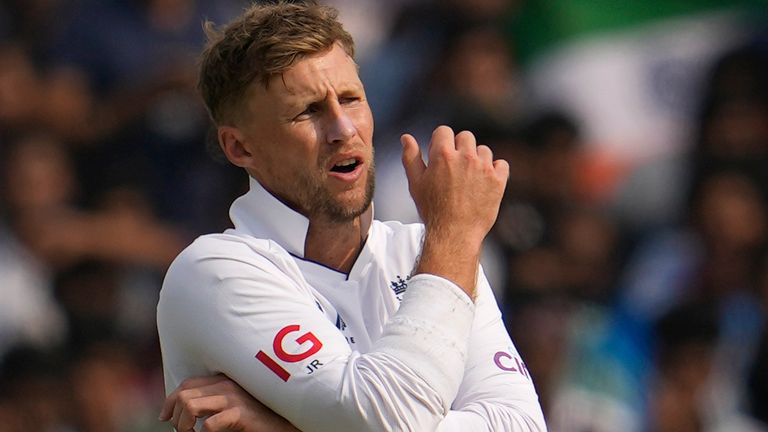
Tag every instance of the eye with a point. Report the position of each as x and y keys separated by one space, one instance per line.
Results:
x=311 y=109
x=348 y=100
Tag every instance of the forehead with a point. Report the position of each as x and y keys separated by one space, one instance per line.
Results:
x=318 y=74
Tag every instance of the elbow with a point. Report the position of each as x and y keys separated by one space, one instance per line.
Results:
x=380 y=406
x=526 y=417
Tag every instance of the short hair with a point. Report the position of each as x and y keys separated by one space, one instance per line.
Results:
x=264 y=41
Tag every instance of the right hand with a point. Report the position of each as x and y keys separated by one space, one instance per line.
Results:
x=228 y=406
x=458 y=196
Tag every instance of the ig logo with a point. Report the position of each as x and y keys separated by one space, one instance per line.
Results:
x=277 y=345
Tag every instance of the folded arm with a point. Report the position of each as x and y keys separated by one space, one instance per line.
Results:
x=495 y=390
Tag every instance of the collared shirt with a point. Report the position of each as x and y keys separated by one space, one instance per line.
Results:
x=375 y=349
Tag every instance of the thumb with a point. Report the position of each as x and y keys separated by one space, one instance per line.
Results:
x=412 y=160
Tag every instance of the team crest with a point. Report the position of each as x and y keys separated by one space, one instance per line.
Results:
x=399 y=286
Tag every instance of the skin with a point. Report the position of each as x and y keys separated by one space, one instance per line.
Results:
x=298 y=127
x=312 y=116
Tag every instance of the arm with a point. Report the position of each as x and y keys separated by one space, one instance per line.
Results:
x=413 y=372
x=247 y=319
x=496 y=393
x=457 y=197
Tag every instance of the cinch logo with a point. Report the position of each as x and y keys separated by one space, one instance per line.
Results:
x=504 y=361
x=277 y=346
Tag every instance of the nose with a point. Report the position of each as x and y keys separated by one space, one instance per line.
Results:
x=340 y=126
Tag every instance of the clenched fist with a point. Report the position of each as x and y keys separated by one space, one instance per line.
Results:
x=458 y=196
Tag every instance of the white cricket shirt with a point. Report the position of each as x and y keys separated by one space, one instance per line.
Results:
x=372 y=350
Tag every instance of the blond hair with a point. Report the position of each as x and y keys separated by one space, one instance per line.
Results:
x=264 y=41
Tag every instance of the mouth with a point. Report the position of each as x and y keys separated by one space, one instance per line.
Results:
x=346 y=166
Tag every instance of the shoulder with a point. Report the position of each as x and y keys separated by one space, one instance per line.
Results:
x=213 y=249
x=214 y=258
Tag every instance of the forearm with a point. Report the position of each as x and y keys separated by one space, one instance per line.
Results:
x=451 y=255
x=497 y=392
x=406 y=382
x=457 y=196
x=419 y=333
x=411 y=375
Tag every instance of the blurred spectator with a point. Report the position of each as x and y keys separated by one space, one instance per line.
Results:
x=35 y=391
x=44 y=232
x=543 y=181
x=686 y=340
x=101 y=368
x=712 y=260
x=422 y=37
x=144 y=123
x=733 y=132
x=36 y=182
x=31 y=99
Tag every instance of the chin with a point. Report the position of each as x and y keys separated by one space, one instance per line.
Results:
x=349 y=205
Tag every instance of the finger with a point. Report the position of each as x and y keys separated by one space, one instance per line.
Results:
x=466 y=142
x=200 y=407
x=502 y=169
x=443 y=141
x=185 y=422
x=177 y=412
x=170 y=401
x=186 y=397
x=485 y=154
x=182 y=400
x=167 y=410
x=222 y=421
x=412 y=159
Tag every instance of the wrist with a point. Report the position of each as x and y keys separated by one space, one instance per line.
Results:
x=451 y=256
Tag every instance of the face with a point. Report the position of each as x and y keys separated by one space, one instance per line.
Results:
x=309 y=137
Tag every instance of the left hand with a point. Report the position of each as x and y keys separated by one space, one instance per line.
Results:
x=228 y=406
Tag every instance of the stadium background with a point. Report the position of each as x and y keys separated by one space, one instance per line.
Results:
x=630 y=253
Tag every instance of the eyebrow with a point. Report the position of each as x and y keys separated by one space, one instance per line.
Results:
x=344 y=88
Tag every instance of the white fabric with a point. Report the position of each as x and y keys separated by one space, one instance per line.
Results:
x=29 y=313
x=356 y=353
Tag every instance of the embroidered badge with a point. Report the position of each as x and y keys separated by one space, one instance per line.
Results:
x=399 y=286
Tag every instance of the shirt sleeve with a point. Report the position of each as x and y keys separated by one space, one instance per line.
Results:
x=248 y=318
x=497 y=393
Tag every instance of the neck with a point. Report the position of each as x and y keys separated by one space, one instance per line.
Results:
x=334 y=244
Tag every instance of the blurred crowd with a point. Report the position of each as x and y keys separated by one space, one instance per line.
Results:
x=630 y=255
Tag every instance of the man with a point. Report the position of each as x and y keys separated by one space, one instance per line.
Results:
x=330 y=319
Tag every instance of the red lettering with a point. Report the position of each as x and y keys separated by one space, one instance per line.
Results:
x=277 y=345
x=273 y=366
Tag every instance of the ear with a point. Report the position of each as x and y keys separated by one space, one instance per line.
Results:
x=232 y=142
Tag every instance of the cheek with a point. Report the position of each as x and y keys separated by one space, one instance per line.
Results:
x=297 y=142
x=301 y=149
x=363 y=119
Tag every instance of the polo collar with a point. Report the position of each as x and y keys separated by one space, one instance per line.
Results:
x=260 y=214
